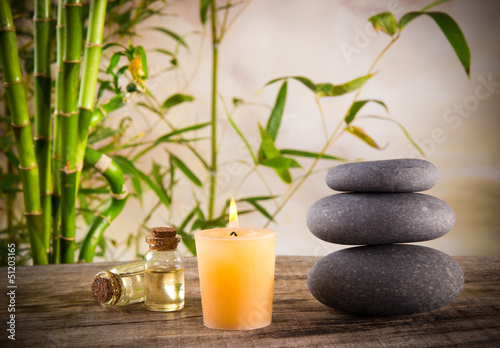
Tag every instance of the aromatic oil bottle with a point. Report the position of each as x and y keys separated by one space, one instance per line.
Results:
x=120 y=286
x=163 y=271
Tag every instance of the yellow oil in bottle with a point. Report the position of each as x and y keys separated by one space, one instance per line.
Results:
x=164 y=289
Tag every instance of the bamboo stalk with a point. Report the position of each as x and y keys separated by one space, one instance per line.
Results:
x=42 y=86
x=114 y=175
x=69 y=126
x=215 y=60
x=91 y=60
x=57 y=145
x=16 y=98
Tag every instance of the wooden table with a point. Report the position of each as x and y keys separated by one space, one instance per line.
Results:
x=54 y=308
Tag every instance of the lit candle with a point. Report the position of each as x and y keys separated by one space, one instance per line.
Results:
x=236 y=268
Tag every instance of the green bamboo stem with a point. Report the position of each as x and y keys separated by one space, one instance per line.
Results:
x=57 y=145
x=42 y=87
x=91 y=60
x=69 y=126
x=215 y=61
x=16 y=98
x=114 y=175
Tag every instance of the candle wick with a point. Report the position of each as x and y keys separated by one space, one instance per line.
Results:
x=233 y=233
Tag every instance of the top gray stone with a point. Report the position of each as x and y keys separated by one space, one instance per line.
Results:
x=397 y=175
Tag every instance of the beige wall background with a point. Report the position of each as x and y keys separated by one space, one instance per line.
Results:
x=454 y=119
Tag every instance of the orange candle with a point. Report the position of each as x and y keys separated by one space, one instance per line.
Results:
x=236 y=277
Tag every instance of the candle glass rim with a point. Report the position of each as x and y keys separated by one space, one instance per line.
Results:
x=270 y=233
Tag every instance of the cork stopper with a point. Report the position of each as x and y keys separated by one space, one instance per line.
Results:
x=163 y=232
x=163 y=238
x=103 y=288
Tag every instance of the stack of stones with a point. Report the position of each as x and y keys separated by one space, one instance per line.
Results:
x=381 y=209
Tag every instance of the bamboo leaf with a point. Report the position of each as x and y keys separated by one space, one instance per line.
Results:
x=310 y=155
x=455 y=36
x=306 y=82
x=406 y=133
x=113 y=104
x=267 y=148
x=435 y=3
x=129 y=169
x=281 y=163
x=144 y=61
x=260 y=209
x=254 y=198
x=101 y=134
x=104 y=85
x=356 y=106
x=173 y=35
x=176 y=99
x=179 y=164
x=204 y=4
x=159 y=193
x=274 y=122
x=384 y=21
x=188 y=241
x=112 y=44
x=113 y=62
x=168 y=53
x=159 y=178
x=247 y=144
x=166 y=137
x=329 y=90
x=450 y=29
x=363 y=136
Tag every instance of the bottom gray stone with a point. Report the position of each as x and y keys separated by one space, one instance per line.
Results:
x=386 y=280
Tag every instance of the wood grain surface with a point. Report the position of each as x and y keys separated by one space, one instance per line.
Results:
x=54 y=308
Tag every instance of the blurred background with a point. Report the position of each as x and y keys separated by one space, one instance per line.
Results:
x=455 y=120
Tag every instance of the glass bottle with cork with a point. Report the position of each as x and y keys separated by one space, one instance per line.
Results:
x=120 y=286
x=163 y=271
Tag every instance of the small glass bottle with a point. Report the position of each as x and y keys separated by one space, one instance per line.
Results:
x=163 y=271
x=120 y=286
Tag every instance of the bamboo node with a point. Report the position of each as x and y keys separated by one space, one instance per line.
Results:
x=103 y=164
x=46 y=19
x=67 y=171
x=42 y=137
x=44 y=194
x=7 y=29
x=119 y=196
x=71 y=61
x=92 y=44
x=27 y=123
x=33 y=213
x=105 y=218
x=39 y=74
x=79 y=166
x=67 y=114
x=85 y=108
x=69 y=239
x=74 y=4
x=60 y=26
x=7 y=84
x=28 y=168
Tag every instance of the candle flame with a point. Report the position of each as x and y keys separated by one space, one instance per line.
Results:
x=233 y=214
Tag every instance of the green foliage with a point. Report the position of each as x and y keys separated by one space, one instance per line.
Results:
x=152 y=164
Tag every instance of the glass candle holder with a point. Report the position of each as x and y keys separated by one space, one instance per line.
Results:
x=236 y=269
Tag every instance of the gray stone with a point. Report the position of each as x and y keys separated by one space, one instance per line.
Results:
x=386 y=280
x=379 y=218
x=398 y=175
